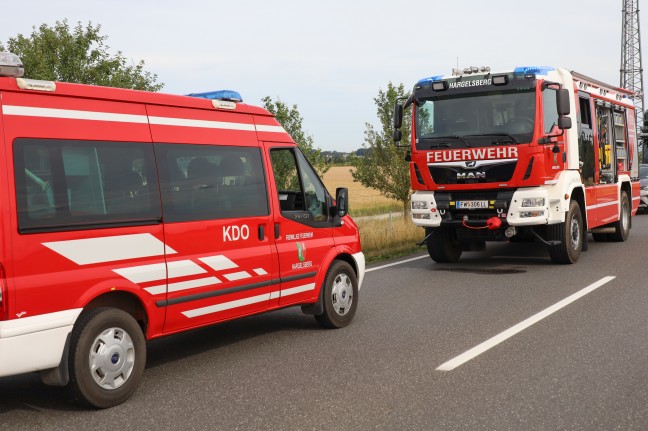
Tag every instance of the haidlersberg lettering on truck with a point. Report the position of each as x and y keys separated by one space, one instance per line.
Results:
x=129 y=215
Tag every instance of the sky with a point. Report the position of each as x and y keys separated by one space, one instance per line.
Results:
x=330 y=58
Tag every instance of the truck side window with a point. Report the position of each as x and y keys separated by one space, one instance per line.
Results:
x=549 y=109
x=206 y=182
x=302 y=196
x=71 y=185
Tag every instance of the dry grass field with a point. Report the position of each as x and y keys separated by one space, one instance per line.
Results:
x=361 y=199
x=381 y=238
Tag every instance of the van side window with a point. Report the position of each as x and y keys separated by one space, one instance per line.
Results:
x=69 y=185
x=204 y=182
x=302 y=196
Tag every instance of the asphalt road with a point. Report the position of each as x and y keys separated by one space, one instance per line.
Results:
x=566 y=348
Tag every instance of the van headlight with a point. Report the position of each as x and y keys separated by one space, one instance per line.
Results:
x=532 y=202
x=419 y=205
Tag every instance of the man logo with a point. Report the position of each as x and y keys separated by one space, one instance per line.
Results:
x=471 y=164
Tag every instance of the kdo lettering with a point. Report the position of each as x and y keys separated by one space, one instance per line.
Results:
x=235 y=233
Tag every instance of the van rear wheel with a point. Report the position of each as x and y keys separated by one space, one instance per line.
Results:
x=340 y=296
x=107 y=357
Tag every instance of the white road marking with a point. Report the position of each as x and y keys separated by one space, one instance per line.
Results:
x=397 y=263
x=492 y=342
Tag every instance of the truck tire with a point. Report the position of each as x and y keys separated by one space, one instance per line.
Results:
x=443 y=246
x=340 y=296
x=622 y=226
x=107 y=357
x=570 y=234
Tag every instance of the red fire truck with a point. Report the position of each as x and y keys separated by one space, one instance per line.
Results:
x=534 y=153
x=127 y=215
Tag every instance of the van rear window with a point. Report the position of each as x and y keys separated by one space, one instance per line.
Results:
x=68 y=185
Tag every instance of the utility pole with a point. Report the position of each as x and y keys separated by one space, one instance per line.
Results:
x=631 y=69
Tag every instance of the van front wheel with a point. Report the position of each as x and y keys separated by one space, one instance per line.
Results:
x=340 y=296
x=107 y=357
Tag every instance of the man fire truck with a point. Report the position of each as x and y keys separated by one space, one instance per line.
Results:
x=496 y=156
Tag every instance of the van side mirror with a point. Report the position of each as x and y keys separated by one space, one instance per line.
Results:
x=562 y=102
x=342 y=201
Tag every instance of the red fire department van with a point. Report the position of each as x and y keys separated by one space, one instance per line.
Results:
x=127 y=215
x=536 y=152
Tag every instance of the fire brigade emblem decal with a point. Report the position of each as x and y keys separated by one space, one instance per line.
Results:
x=301 y=251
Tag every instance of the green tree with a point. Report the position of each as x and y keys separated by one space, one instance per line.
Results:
x=382 y=166
x=291 y=120
x=80 y=55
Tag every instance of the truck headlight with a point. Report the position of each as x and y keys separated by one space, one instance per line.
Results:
x=419 y=205
x=533 y=202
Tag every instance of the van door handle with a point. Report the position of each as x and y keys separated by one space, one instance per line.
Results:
x=261 y=232
x=276 y=229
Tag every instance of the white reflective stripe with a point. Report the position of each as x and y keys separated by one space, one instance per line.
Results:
x=156 y=290
x=237 y=275
x=226 y=305
x=607 y=204
x=143 y=273
x=185 y=122
x=274 y=129
x=275 y=294
x=182 y=285
x=182 y=268
x=192 y=284
x=260 y=271
x=110 y=248
x=218 y=263
x=41 y=322
x=297 y=289
x=30 y=111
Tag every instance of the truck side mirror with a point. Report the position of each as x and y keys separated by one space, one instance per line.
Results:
x=397 y=135
x=342 y=201
x=398 y=116
x=562 y=102
x=564 y=123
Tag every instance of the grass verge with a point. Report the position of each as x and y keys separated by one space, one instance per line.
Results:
x=385 y=239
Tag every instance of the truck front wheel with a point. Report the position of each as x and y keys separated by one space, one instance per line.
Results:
x=570 y=234
x=443 y=246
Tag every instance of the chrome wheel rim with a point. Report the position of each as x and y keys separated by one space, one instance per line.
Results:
x=342 y=294
x=112 y=358
x=625 y=216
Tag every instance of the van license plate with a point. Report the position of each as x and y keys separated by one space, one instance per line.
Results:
x=472 y=205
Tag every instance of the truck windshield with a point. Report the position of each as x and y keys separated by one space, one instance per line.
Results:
x=478 y=119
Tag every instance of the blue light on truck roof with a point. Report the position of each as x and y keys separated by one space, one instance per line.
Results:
x=536 y=70
x=227 y=95
x=430 y=79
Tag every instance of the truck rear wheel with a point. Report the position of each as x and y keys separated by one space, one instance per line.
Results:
x=570 y=234
x=443 y=246
x=107 y=357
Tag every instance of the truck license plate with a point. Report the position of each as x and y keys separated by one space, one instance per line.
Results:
x=472 y=205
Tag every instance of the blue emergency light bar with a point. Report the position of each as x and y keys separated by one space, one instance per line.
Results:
x=430 y=79
x=227 y=95
x=532 y=70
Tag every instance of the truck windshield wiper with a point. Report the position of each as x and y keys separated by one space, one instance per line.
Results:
x=509 y=138
x=461 y=138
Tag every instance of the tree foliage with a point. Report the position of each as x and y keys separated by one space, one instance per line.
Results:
x=80 y=55
x=291 y=120
x=382 y=166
